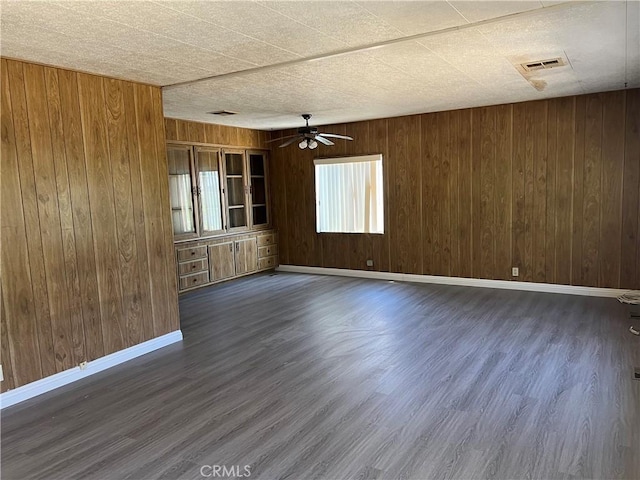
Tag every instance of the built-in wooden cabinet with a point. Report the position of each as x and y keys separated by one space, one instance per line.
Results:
x=210 y=190
x=222 y=261
x=206 y=261
x=246 y=256
x=220 y=213
x=183 y=191
x=215 y=191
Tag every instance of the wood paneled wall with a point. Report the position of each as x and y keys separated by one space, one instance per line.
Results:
x=548 y=186
x=209 y=133
x=87 y=254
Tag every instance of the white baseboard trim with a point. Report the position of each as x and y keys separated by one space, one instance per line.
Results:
x=44 y=385
x=467 y=282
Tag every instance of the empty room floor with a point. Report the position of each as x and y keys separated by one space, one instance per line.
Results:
x=301 y=376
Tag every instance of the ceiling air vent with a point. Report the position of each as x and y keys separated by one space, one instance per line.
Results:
x=542 y=64
x=223 y=113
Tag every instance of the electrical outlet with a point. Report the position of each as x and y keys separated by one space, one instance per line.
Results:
x=369 y=263
x=1 y=374
x=82 y=365
x=515 y=271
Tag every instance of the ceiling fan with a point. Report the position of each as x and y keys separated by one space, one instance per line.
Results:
x=309 y=136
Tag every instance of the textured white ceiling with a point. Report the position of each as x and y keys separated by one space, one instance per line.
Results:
x=168 y=42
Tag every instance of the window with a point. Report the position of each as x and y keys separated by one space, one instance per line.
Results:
x=349 y=195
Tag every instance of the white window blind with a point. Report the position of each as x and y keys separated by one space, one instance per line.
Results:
x=210 y=201
x=349 y=194
x=181 y=203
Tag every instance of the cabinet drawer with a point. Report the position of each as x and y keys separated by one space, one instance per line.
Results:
x=268 y=239
x=192 y=253
x=267 y=262
x=267 y=251
x=194 y=280
x=196 y=266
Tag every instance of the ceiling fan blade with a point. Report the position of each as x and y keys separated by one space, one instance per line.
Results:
x=282 y=138
x=323 y=140
x=333 y=135
x=290 y=141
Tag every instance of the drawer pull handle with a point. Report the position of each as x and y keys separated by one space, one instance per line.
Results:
x=193 y=266
x=192 y=252
x=195 y=280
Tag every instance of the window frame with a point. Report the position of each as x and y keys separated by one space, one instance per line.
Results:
x=349 y=159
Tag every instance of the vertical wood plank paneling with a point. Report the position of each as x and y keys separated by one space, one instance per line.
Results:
x=71 y=279
x=31 y=219
x=405 y=228
x=153 y=210
x=278 y=168
x=466 y=193
x=529 y=184
x=171 y=320
x=518 y=232
x=210 y=131
x=129 y=272
x=578 y=191
x=49 y=214
x=198 y=132
x=76 y=278
x=535 y=185
x=195 y=132
x=454 y=192
x=592 y=190
x=476 y=193
x=83 y=230
x=430 y=208
x=171 y=129
x=486 y=160
x=503 y=184
x=564 y=189
x=20 y=345
x=613 y=129
x=137 y=199
x=445 y=128
x=630 y=248
x=182 y=130
x=103 y=215
x=550 y=192
x=5 y=349
x=378 y=143
x=539 y=203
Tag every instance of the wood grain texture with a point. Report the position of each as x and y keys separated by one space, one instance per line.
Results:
x=177 y=130
x=318 y=377
x=76 y=279
x=31 y=220
x=20 y=345
x=48 y=213
x=550 y=187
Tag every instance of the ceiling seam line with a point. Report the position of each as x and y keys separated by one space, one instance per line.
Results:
x=384 y=43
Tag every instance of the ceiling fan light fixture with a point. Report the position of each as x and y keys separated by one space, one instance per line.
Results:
x=309 y=137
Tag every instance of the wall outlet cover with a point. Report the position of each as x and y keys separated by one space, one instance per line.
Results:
x=515 y=271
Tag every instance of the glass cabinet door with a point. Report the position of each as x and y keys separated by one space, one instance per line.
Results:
x=236 y=193
x=258 y=189
x=181 y=191
x=210 y=190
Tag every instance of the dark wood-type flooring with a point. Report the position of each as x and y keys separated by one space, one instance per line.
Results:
x=302 y=377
